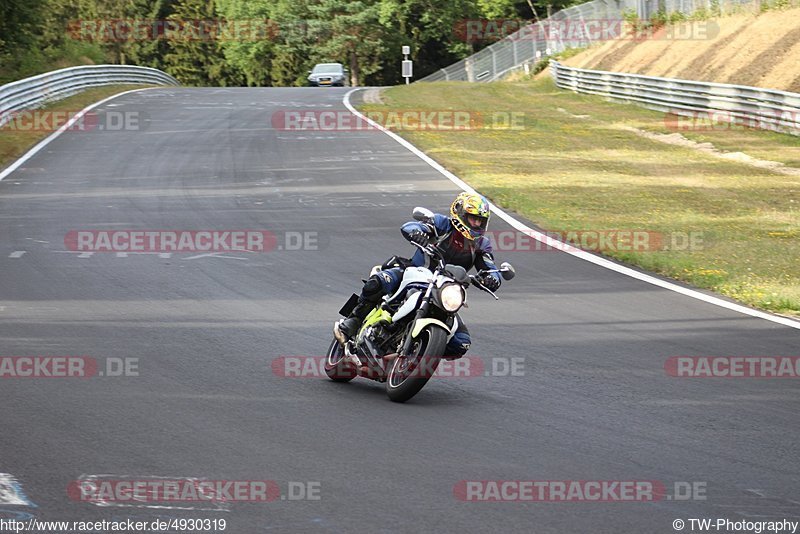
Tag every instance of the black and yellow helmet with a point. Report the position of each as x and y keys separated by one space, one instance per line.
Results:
x=470 y=215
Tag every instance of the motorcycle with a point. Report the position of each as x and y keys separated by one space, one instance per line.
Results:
x=402 y=340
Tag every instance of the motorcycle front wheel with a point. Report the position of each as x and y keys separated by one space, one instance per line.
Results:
x=409 y=374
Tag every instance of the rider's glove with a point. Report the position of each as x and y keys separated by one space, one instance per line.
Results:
x=419 y=237
x=491 y=282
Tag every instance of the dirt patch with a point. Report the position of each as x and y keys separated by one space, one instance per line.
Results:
x=373 y=95
x=615 y=56
x=677 y=139
x=747 y=49
x=764 y=62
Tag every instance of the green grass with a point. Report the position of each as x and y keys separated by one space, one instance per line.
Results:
x=566 y=173
x=15 y=142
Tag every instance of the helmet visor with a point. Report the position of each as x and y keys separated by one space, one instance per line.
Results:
x=476 y=224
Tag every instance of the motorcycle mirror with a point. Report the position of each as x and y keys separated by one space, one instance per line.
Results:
x=507 y=271
x=422 y=214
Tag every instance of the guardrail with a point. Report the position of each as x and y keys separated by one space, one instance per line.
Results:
x=52 y=86
x=754 y=107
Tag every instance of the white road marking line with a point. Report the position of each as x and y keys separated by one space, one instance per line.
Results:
x=32 y=152
x=11 y=491
x=582 y=254
x=214 y=255
x=208 y=130
x=160 y=254
x=79 y=253
x=211 y=505
x=17 y=254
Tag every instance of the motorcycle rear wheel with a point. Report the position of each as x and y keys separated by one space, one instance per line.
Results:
x=336 y=367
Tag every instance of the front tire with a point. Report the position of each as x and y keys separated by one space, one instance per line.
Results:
x=408 y=375
x=336 y=368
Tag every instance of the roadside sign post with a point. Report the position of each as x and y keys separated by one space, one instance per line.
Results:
x=408 y=65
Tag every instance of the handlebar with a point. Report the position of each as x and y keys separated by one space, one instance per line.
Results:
x=434 y=252
x=475 y=279
x=429 y=249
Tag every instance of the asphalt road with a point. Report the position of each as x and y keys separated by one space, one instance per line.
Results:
x=592 y=400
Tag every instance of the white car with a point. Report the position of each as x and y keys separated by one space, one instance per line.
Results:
x=328 y=74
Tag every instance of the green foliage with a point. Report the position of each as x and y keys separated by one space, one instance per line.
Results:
x=700 y=14
x=659 y=19
x=348 y=32
x=197 y=62
x=247 y=54
x=365 y=35
x=497 y=9
x=635 y=24
x=19 y=21
x=677 y=16
x=544 y=63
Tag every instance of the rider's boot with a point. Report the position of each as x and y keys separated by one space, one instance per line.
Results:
x=370 y=296
x=347 y=328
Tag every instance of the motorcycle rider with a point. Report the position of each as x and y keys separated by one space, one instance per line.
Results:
x=462 y=241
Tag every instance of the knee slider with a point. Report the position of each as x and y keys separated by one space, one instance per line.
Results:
x=459 y=344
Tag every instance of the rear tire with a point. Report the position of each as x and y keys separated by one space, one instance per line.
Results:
x=335 y=367
x=407 y=376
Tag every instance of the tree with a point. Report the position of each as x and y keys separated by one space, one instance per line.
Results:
x=431 y=28
x=267 y=42
x=248 y=53
x=349 y=32
x=196 y=58
x=19 y=36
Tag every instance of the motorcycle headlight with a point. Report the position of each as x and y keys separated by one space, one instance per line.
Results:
x=452 y=297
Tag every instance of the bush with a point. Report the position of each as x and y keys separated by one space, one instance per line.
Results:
x=34 y=61
x=659 y=19
x=542 y=64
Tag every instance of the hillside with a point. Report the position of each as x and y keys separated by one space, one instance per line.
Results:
x=747 y=49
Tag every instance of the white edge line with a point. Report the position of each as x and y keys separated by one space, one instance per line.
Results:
x=33 y=151
x=569 y=249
